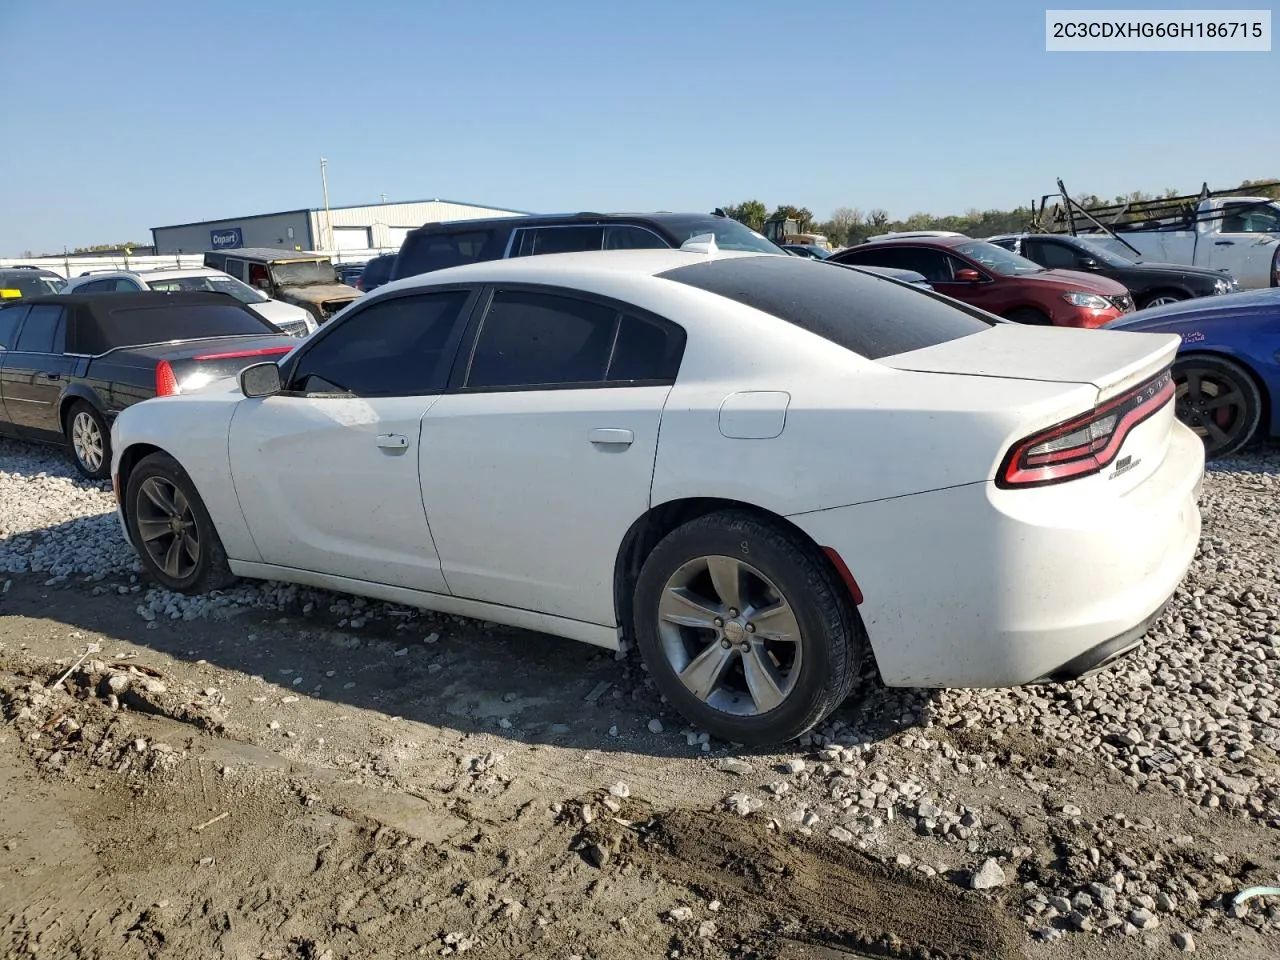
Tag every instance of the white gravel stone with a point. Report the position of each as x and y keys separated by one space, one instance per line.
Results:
x=988 y=876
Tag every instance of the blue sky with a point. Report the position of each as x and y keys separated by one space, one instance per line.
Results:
x=126 y=116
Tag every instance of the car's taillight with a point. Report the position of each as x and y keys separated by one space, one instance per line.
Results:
x=166 y=382
x=243 y=354
x=1086 y=444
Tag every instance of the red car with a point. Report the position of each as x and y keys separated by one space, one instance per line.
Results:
x=997 y=280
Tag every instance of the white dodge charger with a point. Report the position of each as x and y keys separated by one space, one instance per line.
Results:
x=761 y=468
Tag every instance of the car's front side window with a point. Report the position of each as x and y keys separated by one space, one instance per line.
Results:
x=401 y=346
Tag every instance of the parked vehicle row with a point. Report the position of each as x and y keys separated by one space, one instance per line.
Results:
x=1218 y=230
x=69 y=363
x=307 y=280
x=640 y=444
x=289 y=318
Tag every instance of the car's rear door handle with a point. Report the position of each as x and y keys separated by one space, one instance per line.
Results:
x=392 y=441
x=54 y=376
x=1224 y=243
x=613 y=436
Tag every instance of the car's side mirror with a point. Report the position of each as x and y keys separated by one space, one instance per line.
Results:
x=968 y=275
x=1088 y=263
x=260 y=380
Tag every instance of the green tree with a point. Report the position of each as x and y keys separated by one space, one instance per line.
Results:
x=749 y=212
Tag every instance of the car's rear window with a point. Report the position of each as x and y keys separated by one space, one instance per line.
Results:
x=872 y=316
x=426 y=252
x=135 y=326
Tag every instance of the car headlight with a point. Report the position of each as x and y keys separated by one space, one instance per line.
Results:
x=1090 y=301
x=1222 y=286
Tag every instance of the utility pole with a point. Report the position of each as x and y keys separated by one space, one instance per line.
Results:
x=384 y=198
x=324 y=185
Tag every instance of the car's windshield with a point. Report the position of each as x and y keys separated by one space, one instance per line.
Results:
x=730 y=234
x=303 y=272
x=30 y=283
x=1102 y=254
x=998 y=259
x=241 y=291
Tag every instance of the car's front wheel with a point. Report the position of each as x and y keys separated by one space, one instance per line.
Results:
x=746 y=628
x=171 y=529
x=90 y=440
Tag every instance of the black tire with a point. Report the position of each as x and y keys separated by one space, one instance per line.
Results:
x=832 y=638
x=90 y=439
x=1168 y=296
x=209 y=569
x=1219 y=400
x=1029 y=316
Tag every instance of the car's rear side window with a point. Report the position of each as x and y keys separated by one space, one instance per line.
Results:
x=872 y=316
x=9 y=317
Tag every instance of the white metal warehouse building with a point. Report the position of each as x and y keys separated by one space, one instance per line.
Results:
x=380 y=226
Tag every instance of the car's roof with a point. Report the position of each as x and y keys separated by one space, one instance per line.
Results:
x=913 y=240
x=97 y=303
x=550 y=267
x=268 y=253
x=552 y=219
x=30 y=272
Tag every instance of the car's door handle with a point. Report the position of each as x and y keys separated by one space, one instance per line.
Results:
x=613 y=436
x=392 y=441
x=1224 y=243
x=54 y=376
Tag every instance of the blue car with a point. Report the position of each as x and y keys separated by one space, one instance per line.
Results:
x=1228 y=367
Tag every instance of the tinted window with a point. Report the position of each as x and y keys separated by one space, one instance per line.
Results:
x=869 y=315
x=9 y=318
x=530 y=339
x=538 y=240
x=376 y=272
x=422 y=253
x=97 y=286
x=934 y=265
x=1051 y=254
x=645 y=351
x=391 y=348
x=628 y=237
x=133 y=326
x=32 y=283
x=235 y=268
x=40 y=333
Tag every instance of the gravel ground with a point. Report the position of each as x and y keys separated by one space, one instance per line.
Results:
x=1130 y=805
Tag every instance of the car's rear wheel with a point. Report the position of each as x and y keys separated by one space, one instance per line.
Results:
x=1219 y=400
x=746 y=628
x=171 y=529
x=1029 y=316
x=90 y=440
x=1161 y=298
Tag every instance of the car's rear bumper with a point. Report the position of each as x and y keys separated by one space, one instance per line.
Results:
x=979 y=587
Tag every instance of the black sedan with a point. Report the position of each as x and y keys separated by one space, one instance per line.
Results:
x=1152 y=284
x=69 y=363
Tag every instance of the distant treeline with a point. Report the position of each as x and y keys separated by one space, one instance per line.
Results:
x=850 y=225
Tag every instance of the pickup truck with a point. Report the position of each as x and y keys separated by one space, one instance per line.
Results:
x=1236 y=235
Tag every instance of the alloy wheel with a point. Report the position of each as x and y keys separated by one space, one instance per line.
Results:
x=86 y=440
x=167 y=527
x=1163 y=301
x=1212 y=405
x=730 y=635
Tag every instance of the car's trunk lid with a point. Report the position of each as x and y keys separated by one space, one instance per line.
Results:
x=1115 y=364
x=1111 y=360
x=195 y=363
